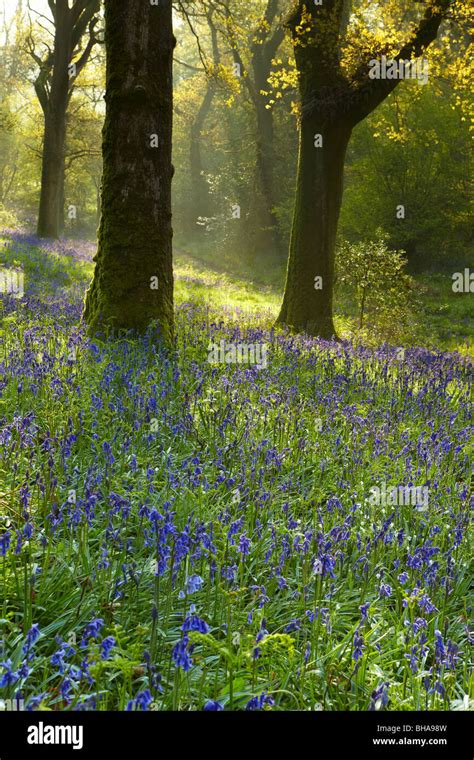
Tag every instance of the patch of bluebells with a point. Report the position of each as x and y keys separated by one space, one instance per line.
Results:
x=154 y=524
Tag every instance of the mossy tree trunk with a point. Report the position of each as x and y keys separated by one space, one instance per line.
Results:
x=133 y=279
x=51 y=205
x=331 y=105
x=308 y=300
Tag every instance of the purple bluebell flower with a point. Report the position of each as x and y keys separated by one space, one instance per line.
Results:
x=141 y=702
x=379 y=697
x=359 y=646
x=193 y=584
x=181 y=655
x=91 y=631
x=106 y=646
x=9 y=677
x=195 y=623
x=259 y=702
x=31 y=638
x=213 y=706
x=5 y=540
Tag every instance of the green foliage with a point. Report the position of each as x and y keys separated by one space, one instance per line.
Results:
x=375 y=276
x=414 y=151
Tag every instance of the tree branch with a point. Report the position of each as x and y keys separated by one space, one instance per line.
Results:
x=372 y=92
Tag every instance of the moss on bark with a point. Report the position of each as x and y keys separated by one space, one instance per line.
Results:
x=135 y=233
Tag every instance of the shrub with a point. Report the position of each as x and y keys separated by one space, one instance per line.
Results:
x=373 y=276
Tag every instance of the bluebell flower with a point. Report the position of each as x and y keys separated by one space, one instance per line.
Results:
x=193 y=584
x=212 y=706
x=106 y=646
x=359 y=646
x=5 y=540
x=194 y=623
x=440 y=651
x=91 y=631
x=244 y=545
x=31 y=638
x=181 y=656
x=107 y=449
x=413 y=658
x=379 y=697
x=259 y=702
x=141 y=702
x=10 y=676
x=35 y=702
x=419 y=624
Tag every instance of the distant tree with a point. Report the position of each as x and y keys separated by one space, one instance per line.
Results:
x=201 y=201
x=58 y=69
x=133 y=278
x=263 y=40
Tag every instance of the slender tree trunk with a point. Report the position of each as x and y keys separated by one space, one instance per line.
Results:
x=53 y=85
x=201 y=199
x=135 y=237
x=307 y=307
x=51 y=207
x=265 y=161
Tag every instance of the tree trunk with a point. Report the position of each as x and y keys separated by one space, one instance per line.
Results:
x=51 y=207
x=266 y=159
x=306 y=308
x=53 y=85
x=201 y=199
x=135 y=234
x=331 y=106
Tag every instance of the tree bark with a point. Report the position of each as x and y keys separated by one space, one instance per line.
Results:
x=331 y=106
x=201 y=197
x=51 y=206
x=53 y=148
x=318 y=201
x=266 y=39
x=135 y=234
x=54 y=86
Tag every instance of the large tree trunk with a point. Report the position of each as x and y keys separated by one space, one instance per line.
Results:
x=331 y=106
x=135 y=235
x=307 y=307
x=52 y=175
